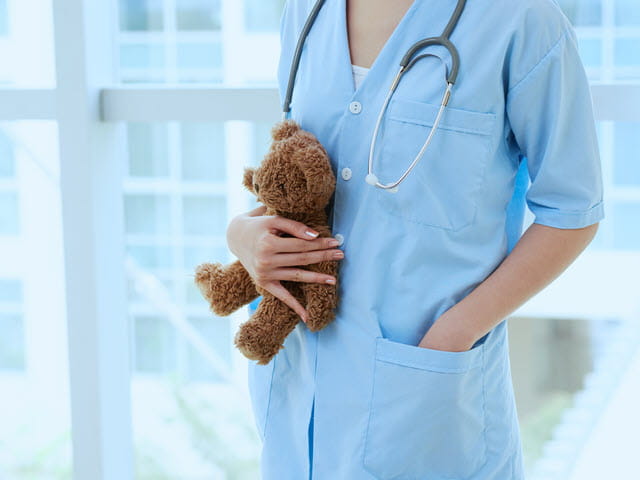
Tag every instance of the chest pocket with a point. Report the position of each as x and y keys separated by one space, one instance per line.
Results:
x=443 y=189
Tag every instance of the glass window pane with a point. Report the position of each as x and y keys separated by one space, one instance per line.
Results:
x=35 y=432
x=182 y=41
x=199 y=62
x=151 y=257
x=141 y=15
x=143 y=284
x=627 y=51
x=204 y=215
x=626 y=227
x=217 y=333
x=627 y=12
x=203 y=151
x=262 y=142
x=263 y=15
x=155 y=345
x=582 y=12
x=194 y=255
x=4 y=19
x=26 y=43
x=198 y=14
x=7 y=160
x=148 y=155
x=175 y=336
x=627 y=154
x=196 y=55
x=9 y=213
x=619 y=147
x=199 y=56
x=147 y=214
x=10 y=291
x=591 y=51
x=12 y=346
x=142 y=56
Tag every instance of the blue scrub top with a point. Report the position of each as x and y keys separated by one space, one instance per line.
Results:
x=359 y=399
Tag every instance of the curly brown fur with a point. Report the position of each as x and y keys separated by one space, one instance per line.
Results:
x=295 y=180
x=226 y=288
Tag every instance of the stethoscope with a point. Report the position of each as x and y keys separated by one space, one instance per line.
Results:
x=406 y=63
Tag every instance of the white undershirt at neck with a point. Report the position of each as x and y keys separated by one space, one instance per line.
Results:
x=358 y=74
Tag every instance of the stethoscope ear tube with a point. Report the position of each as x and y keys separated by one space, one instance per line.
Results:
x=296 y=57
x=406 y=60
x=409 y=60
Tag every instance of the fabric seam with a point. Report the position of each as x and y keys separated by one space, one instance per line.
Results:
x=373 y=386
x=266 y=413
x=416 y=366
x=543 y=210
x=528 y=75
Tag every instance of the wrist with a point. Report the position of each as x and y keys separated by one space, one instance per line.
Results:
x=447 y=334
x=234 y=231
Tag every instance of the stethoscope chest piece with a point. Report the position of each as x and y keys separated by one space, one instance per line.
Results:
x=372 y=179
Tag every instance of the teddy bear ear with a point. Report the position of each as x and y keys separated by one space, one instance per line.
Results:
x=247 y=179
x=284 y=129
x=316 y=166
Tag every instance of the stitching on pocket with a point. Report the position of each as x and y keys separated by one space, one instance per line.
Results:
x=428 y=368
x=420 y=358
x=453 y=119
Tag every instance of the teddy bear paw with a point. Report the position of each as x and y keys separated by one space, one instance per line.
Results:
x=318 y=317
x=254 y=345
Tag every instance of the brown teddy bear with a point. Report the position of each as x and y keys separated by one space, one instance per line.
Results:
x=294 y=180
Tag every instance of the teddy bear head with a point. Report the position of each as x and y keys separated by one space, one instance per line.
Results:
x=295 y=175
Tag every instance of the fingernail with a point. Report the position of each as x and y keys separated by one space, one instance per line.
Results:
x=304 y=318
x=338 y=255
x=333 y=242
x=330 y=281
x=311 y=233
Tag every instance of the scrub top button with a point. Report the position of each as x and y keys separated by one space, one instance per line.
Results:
x=346 y=173
x=340 y=238
x=355 y=107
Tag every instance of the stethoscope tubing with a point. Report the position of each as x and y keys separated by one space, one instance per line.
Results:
x=407 y=62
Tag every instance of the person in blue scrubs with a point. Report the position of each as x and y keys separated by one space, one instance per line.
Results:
x=412 y=380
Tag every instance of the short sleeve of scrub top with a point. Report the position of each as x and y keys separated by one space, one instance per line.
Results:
x=551 y=117
x=359 y=400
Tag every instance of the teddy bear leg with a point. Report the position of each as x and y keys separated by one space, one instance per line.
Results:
x=263 y=335
x=321 y=299
x=226 y=288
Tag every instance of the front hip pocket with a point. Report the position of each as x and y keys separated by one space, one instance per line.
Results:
x=426 y=418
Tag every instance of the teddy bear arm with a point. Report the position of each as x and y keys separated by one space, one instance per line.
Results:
x=226 y=288
x=263 y=335
x=321 y=299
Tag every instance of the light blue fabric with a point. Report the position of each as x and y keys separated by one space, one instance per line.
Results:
x=384 y=408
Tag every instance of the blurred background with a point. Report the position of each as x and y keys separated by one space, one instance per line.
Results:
x=124 y=128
